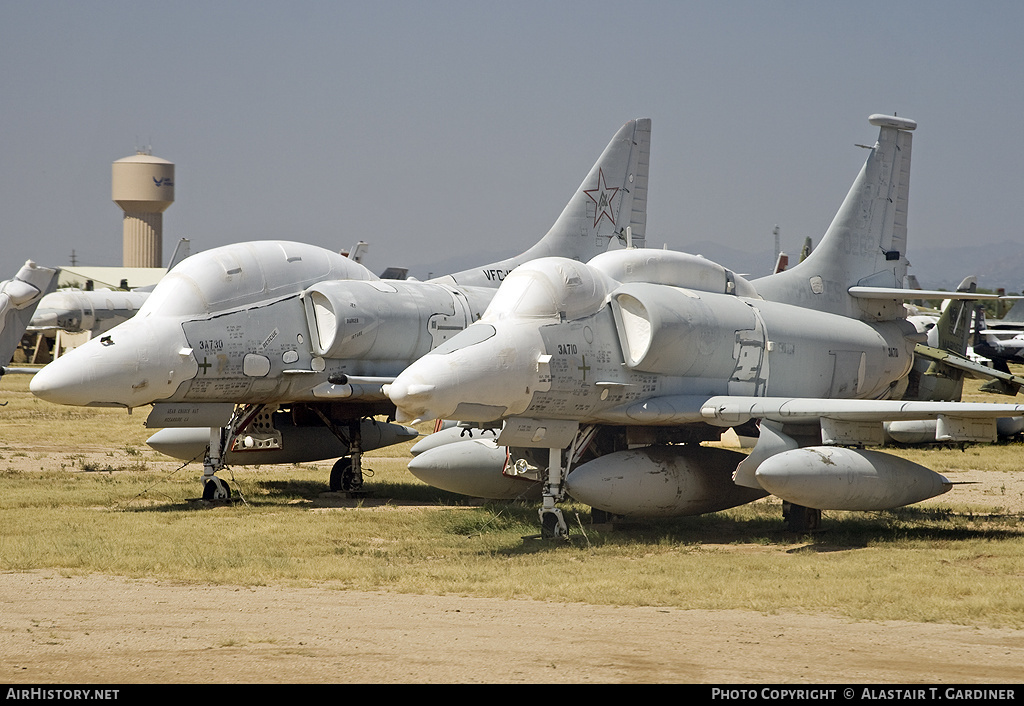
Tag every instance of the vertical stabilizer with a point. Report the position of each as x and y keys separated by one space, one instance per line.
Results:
x=934 y=379
x=611 y=199
x=1014 y=318
x=953 y=329
x=867 y=241
x=181 y=251
x=19 y=298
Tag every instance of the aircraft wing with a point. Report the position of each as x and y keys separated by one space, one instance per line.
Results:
x=731 y=410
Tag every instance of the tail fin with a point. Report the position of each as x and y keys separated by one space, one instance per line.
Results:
x=19 y=298
x=936 y=379
x=866 y=243
x=983 y=336
x=611 y=199
x=953 y=329
x=1014 y=318
x=986 y=343
x=181 y=251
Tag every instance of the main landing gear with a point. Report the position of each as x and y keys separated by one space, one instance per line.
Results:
x=252 y=422
x=347 y=472
x=800 y=519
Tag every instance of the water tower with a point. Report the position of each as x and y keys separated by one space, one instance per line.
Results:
x=143 y=186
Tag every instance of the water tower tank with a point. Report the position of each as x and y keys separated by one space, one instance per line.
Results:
x=143 y=186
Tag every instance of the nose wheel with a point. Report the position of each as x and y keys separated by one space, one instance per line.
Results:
x=213 y=487
x=216 y=489
x=347 y=472
x=552 y=523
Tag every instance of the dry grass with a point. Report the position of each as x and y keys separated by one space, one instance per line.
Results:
x=80 y=492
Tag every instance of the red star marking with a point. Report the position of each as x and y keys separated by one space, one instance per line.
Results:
x=603 y=200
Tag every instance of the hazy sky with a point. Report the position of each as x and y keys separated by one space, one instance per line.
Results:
x=429 y=128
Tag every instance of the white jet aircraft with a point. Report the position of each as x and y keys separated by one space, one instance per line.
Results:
x=275 y=352
x=620 y=367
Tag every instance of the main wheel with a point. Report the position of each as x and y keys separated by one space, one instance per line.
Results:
x=801 y=519
x=342 y=478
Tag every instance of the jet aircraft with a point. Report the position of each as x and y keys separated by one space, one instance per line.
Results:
x=19 y=297
x=476 y=466
x=1001 y=346
x=275 y=352
x=947 y=357
x=605 y=377
x=83 y=313
x=942 y=363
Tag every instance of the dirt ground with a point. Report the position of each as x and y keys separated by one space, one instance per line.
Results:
x=101 y=629
x=70 y=629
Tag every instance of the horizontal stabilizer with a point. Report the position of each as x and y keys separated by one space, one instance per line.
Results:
x=1011 y=384
x=896 y=293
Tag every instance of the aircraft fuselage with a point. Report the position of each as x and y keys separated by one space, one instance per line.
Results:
x=261 y=332
x=653 y=341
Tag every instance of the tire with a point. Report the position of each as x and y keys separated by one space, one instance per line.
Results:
x=341 y=475
x=801 y=519
x=212 y=490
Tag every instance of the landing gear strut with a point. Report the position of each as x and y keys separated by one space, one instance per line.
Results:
x=552 y=524
x=221 y=440
x=347 y=472
x=213 y=487
x=800 y=519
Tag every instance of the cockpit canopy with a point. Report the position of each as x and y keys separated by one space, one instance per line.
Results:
x=237 y=275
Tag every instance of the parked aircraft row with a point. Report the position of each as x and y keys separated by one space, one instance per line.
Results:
x=281 y=347
x=601 y=371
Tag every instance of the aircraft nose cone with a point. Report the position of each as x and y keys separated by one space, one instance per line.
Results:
x=57 y=384
x=128 y=367
x=78 y=378
x=482 y=374
x=412 y=398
